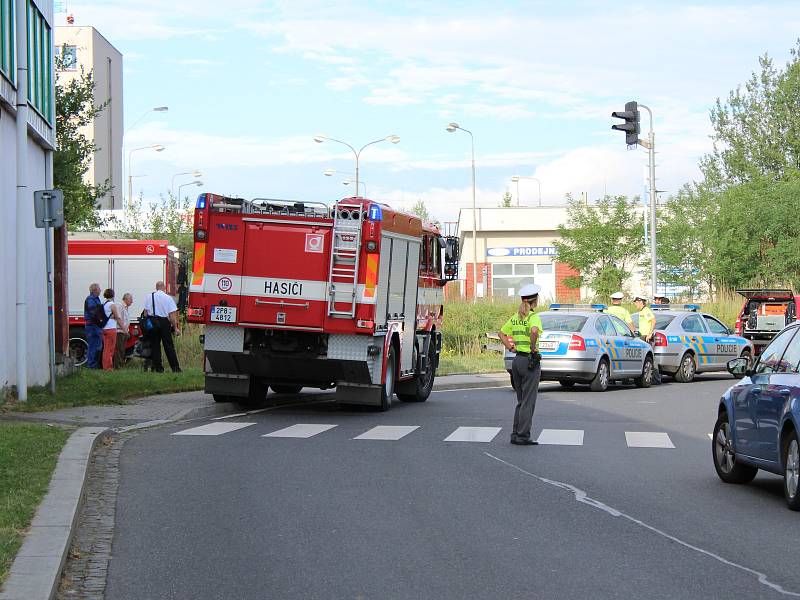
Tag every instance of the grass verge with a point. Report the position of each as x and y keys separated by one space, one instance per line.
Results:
x=457 y=364
x=92 y=387
x=28 y=455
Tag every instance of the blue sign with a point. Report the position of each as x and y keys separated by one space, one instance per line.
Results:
x=522 y=251
x=375 y=213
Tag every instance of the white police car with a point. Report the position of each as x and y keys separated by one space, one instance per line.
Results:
x=581 y=344
x=687 y=341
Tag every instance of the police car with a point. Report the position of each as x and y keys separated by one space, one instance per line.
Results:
x=580 y=344
x=687 y=341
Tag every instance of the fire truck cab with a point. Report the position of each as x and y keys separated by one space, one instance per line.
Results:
x=300 y=294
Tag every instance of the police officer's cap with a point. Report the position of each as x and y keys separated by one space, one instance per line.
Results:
x=617 y=296
x=642 y=298
x=530 y=290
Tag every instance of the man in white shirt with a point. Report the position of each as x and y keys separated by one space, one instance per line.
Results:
x=161 y=306
x=123 y=326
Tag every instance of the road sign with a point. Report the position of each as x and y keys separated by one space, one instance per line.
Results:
x=48 y=208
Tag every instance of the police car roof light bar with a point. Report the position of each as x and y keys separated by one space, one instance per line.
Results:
x=676 y=307
x=594 y=307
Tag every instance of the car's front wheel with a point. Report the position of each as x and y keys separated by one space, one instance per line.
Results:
x=724 y=455
x=791 y=471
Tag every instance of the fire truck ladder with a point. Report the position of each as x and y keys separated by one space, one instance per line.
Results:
x=345 y=252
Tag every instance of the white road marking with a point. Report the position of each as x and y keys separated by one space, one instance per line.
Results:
x=473 y=434
x=583 y=497
x=648 y=439
x=387 y=432
x=301 y=430
x=214 y=429
x=242 y=414
x=561 y=437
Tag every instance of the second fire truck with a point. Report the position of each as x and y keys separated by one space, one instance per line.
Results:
x=300 y=294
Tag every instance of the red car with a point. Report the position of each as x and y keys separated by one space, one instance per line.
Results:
x=765 y=312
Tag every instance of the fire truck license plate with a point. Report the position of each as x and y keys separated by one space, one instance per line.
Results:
x=223 y=314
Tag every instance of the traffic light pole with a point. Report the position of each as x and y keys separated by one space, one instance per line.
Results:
x=651 y=149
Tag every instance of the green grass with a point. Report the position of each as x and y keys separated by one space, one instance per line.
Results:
x=28 y=455
x=457 y=364
x=92 y=387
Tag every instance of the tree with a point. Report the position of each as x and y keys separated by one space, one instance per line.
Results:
x=420 y=210
x=757 y=130
x=75 y=108
x=506 y=201
x=168 y=218
x=603 y=242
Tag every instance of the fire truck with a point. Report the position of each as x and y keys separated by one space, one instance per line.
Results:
x=302 y=294
x=127 y=266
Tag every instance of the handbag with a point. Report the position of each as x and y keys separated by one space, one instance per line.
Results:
x=147 y=322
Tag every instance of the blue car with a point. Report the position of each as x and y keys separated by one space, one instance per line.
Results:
x=758 y=418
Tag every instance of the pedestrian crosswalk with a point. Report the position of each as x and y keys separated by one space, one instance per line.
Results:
x=393 y=433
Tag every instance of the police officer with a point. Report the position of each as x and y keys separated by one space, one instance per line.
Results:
x=647 y=328
x=620 y=311
x=520 y=334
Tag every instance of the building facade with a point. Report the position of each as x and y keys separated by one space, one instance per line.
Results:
x=35 y=152
x=84 y=49
x=515 y=247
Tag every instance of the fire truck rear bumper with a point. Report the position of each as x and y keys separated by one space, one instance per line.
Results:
x=308 y=372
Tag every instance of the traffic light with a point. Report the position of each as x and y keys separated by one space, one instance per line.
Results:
x=631 y=124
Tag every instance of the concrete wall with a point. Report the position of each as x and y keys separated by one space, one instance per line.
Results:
x=96 y=54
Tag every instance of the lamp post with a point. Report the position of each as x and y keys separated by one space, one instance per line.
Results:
x=156 y=147
x=183 y=185
x=331 y=172
x=516 y=179
x=451 y=128
x=357 y=153
x=126 y=131
x=196 y=174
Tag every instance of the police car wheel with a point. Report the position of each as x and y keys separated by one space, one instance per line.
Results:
x=646 y=380
x=566 y=383
x=724 y=456
x=686 y=370
x=600 y=381
x=746 y=354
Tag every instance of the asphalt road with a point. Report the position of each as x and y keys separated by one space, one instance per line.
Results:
x=241 y=516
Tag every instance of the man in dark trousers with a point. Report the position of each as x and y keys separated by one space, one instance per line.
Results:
x=94 y=335
x=161 y=306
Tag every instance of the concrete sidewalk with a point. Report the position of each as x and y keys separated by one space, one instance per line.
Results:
x=192 y=405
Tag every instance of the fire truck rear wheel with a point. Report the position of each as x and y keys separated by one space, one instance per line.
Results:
x=387 y=391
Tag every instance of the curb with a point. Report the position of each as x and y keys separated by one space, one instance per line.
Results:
x=36 y=570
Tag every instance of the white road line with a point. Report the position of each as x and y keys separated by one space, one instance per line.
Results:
x=582 y=497
x=301 y=430
x=243 y=414
x=648 y=439
x=561 y=437
x=473 y=434
x=213 y=429
x=387 y=432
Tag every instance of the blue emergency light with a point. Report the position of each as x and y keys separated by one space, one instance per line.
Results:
x=201 y=202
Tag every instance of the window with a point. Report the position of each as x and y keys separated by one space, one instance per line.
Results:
x=8 y=38
x=791 y=358
x=40 y=64
x=770 y=359
x=661 y=320
x=569 y=323
x=507 y=279
x=693 y=324
x=68 y=56
x=622 y=328
x=715 y=326
x=604 y=326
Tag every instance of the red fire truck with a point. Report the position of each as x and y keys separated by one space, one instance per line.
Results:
x=299 y=294
x=127 y=266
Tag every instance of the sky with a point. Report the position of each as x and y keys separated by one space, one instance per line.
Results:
x=249 y=84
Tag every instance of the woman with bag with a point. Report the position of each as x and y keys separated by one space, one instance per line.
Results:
x=520 y=334
x=110 y=327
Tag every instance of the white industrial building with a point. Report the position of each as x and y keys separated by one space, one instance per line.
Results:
x=26 y=165
x=85 y=49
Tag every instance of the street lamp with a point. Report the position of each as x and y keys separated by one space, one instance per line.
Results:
x=331 y=172
x=156 y=147
x=357 y=153
x=139 y=120
x=183 y=185
x=451 y=128
x=516 y=179
x=196 y=174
